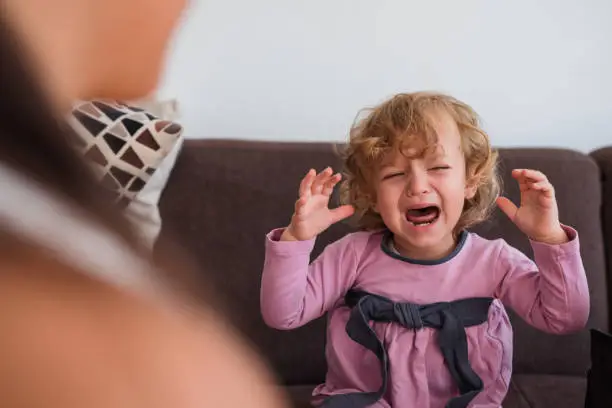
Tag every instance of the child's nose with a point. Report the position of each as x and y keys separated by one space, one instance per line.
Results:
x=416 y=185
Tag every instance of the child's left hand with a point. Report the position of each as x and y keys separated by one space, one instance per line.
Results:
x=538 y=215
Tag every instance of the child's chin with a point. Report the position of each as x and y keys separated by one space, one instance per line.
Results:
x=425 y=238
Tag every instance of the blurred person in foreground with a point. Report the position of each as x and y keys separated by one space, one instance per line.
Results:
x=86 y=319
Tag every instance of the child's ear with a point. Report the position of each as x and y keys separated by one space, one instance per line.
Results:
x=375 y=207
x=373 y=201
x=470 y=189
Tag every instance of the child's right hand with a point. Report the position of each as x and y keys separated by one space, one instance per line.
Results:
x=312 y=214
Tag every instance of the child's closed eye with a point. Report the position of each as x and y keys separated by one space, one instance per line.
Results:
x=440 y=168
x=392 y=175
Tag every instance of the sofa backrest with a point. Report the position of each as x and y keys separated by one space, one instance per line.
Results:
x=603 y=157
x=224 y=196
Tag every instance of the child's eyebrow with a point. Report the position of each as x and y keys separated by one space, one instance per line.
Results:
x=438 y=153
x=387 y=162
x=386 y=167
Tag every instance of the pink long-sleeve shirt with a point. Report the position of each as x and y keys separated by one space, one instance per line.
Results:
x=550 y=294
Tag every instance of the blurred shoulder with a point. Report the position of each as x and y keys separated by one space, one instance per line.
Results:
x=61 y=322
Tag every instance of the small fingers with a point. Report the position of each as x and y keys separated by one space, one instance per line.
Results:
x=543 y=186
x=533 y=180
x=528 y=174
x=321 y=180
x=342 y=212
x=328 y=187
x=508 y=207
x=306 y=183
x=300 y=205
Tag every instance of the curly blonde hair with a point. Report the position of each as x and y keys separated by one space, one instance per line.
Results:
x=407 y=121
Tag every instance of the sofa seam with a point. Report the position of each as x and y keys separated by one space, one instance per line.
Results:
x=521 y=394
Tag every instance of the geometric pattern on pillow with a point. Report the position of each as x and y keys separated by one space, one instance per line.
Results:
x=125 y=144
x=143 y=211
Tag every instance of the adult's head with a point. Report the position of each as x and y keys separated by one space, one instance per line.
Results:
x=68 y=338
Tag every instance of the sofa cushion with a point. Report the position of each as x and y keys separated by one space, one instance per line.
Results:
x=575 y=176
x=551 y=390
x=526 y=391
x=244 y=189
x=603 y=157
x=301 y=395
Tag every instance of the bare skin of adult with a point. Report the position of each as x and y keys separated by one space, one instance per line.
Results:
x=67 y=339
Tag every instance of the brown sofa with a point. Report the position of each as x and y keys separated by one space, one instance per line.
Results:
x=224 y=196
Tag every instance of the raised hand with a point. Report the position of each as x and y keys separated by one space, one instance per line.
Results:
x=312 y=213
x=538 y=215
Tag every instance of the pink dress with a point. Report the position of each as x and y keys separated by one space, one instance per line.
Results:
x=550 y=294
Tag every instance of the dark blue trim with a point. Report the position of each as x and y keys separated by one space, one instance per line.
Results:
x=388 y=235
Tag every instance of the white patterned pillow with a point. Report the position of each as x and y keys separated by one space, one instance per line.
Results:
x=132 y=152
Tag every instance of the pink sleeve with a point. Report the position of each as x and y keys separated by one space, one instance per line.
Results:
x=293 y=292
x=551 y=294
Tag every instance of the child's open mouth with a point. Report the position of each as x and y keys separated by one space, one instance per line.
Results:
x=423 y=216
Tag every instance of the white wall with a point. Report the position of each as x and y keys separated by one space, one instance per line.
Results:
x=538 y=71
